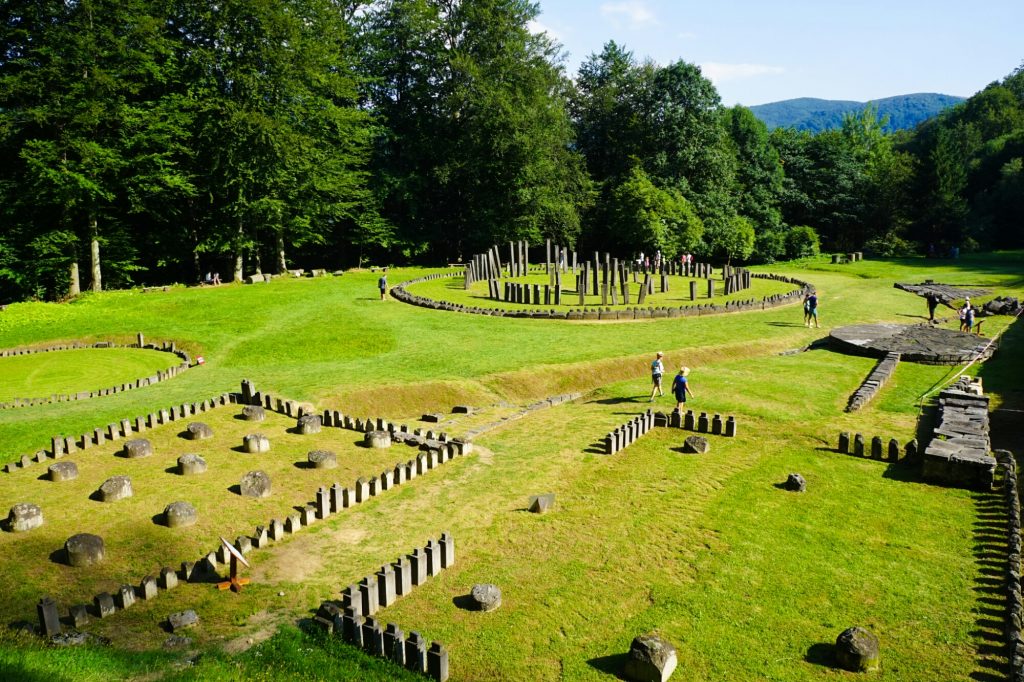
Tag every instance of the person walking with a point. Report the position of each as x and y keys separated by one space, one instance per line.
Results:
x=680 y=387
x=382 y=284
x=657 y=371
x=967 y=316
x=812 y=309
x=933 y=303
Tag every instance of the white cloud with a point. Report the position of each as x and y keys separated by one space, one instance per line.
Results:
x=635 y=11
x=718 y=72
x=537 y=27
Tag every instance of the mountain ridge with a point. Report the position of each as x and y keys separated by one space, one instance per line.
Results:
x=816 y=115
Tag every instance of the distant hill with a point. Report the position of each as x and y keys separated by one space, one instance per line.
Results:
x=807 y=113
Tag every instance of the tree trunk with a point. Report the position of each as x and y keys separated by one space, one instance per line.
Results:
x=282 y=266
x=94 y=244
x=197 y=273
x=239 y=255
x=75 y=287
x=259 y=261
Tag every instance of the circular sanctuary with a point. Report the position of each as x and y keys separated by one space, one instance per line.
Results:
x=605 y=288
x=51 y=372
x=914 y=343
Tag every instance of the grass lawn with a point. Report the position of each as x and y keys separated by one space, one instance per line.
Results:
x=750 y=582
x=41 y=375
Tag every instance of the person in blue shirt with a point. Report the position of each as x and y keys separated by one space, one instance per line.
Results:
x=680 y=387
x=382 y=284
x=657 y=370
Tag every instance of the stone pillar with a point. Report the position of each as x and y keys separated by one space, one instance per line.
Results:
x=730 y=427
x=894 y=450
x=858 y=445
x=702 y=422
x=416 y=653
x=403 y=577
x=437 y=662
x=844 y=442
x=394 y=644
x=368 y=595
x=447 y=546
x=711 y=288
x=876 y=447
x=433 y=551
x=386 y=586
x=49 y=619
x=716 y=424
x=418 y=564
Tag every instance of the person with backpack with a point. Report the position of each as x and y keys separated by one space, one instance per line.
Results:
x=657 y=370
x=382 y=284
x=967 y=316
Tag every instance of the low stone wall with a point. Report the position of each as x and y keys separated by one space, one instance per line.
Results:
x=877 y=448
x=167 y=347
x=627 y=434
x=959 y=451
x=61 y=445
x=875 y=380
x=1015 y=590
x=352 y=619
x=400 y=293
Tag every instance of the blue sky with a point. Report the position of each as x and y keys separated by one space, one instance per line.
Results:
x=764 y=51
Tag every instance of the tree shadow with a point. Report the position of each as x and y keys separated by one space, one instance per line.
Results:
x=618 y=400
x=613 y=664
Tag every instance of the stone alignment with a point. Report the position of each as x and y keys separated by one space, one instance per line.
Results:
x=400 y=293
x=167 y=347
x=1015 y=610
x=854 y=445
x=959 y=451
x=874 y=381
x=352 y=620
x=627 y=434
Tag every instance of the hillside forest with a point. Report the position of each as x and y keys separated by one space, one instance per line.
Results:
x=151 y=141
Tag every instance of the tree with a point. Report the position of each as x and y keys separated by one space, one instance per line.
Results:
x=646 y=218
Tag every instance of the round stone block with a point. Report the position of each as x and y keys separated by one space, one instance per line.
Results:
x=857 y=650
x=63 y=471
x=255 y=484
x=115 y=488
x=486 y=597
x=322 y=459
x=377 y=439
x=178 y=514
x=24 y=516
x=254 y=413
x=84 y=549
x=256 y=442
x=651 y=659
x=199 y=431
x=138 y=447
x=309 y=423
x=191 y=464
x=696 y=444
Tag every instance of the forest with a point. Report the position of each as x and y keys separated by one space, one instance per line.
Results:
x=150 y=141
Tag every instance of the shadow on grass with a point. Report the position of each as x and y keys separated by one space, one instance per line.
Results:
x=822 y=654
x=991 y=549
x=465 y=602
x=58 y=556
x=610 y=665
x=785 y=324
x=619 y=400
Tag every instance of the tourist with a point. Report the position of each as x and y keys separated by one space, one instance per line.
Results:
x=657 y=370
x=216 y=278
x=208 y=278
x=382 y=284
x=812 y=309
x=680 y=387
x=807 y=309
x=966 y=316
x=933 y=303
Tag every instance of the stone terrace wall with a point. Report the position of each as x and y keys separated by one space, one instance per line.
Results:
x=875 y=380
x=959 y=452
x=167 y=347
x=635 y=313
x=1015 y=612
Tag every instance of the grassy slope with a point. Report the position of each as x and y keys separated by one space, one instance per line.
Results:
x=747 y=580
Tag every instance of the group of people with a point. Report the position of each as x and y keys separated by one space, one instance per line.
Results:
x=680 y=385
x=211 y=278
x=966 y=312
x=811 y=309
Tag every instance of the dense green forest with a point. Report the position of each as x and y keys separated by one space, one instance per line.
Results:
x=901 y=112
x=150 y=141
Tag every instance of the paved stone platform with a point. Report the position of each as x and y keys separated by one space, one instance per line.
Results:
x=915 y=343
x=944 y=292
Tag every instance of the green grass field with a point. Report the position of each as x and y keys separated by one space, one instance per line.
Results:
x=750 y=582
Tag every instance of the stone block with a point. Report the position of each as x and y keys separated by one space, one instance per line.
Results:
x=894 y=450
x=182 y=620
x=447 y=545
x=276 y=530
x=689 y=421
x=403 y=577
x=415 y=653
x=437 y=662
x=256 y=443
x=79 y=616
x=199 y=431
x=368 y=595
x=696 y=444
x=485 y=597
x=844 y=442
x=418 y=566
x=876 y=447
x=148 y=588
x=322 y=459
x=651 y=659
x=254 y=413
x=433 y=553
x=394 y=644
x=180 y=514
x=795 y=483
x=352 y=628
x=137 y=447
x=716 y=425
x=49 y=618
x=377 y=439
x=702 y=422
x=84 y=549
x=25 y=516
x=309 y=424
x=857 y=650
x=191 y=464
x=730 y=427
x=255 y=484
x=104 y=605
x=858 y=445
x=541 y=504
x=386 y=592
x=168 y=578
x=124 y=597
x=373 y=637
